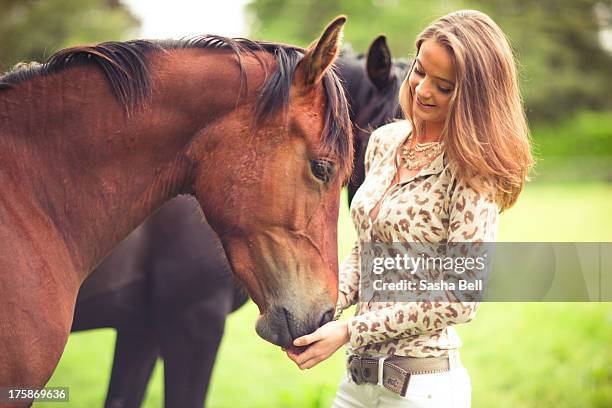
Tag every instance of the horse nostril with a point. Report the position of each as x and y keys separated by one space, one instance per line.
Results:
x=289 y=321
x=327 y=317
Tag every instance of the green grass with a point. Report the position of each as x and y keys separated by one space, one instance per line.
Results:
x=540 y=355
x=519 y=355
x=560 y=212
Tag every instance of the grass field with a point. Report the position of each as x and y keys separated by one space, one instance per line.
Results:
x=519 y=355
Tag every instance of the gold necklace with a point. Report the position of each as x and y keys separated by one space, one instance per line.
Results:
x=427 y=152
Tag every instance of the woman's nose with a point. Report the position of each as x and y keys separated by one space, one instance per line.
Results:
x=423 y=91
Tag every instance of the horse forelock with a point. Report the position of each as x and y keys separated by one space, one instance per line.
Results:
x=336 y=139
x=338 y=128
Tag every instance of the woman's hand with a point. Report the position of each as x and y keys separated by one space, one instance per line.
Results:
x=324 y=342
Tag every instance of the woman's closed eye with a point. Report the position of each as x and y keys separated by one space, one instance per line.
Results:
x=442 y=89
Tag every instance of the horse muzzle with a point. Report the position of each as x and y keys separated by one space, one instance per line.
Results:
x=281 y=325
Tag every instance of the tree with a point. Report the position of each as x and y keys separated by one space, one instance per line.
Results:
x=34 y=29
x=564 y=65
x=299 y=22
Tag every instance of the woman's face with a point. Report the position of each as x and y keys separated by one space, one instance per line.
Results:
x=432 y=82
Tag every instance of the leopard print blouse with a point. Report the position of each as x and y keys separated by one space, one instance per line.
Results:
x=433 y=207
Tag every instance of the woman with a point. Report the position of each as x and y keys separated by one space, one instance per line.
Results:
x=441 y=177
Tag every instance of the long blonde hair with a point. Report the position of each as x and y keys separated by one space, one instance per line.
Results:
x=486 y=136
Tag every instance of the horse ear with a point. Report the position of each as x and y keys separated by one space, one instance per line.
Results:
x=319 y=55
x=379 y=62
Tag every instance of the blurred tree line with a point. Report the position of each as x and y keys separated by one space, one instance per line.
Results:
x=31 y=30
x=564 y=65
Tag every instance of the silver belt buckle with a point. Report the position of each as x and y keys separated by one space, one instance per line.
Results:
x=349 y=375
x=354 y=372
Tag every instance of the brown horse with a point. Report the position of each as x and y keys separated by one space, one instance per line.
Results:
x=97 y=138
x=167 y=288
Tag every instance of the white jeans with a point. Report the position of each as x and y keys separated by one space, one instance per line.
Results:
x=450 y=389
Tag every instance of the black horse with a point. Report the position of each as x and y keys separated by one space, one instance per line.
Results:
x=167 y=288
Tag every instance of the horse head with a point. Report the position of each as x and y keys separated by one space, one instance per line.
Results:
x=276 y=212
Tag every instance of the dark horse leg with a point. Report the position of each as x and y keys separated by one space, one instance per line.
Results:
x=189 y=345
x=135 y=356
x=191 y=293
x=116 y=295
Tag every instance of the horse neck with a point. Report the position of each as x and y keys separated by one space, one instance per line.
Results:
x=96 y=173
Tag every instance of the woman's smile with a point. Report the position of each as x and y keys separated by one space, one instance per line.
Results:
x=425 y=106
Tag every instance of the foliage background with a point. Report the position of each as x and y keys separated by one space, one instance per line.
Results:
x=519 y=355
x=30 y=30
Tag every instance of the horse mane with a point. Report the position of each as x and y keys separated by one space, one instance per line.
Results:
x=125 y=65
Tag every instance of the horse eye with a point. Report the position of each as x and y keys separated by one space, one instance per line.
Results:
x=322 y=169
